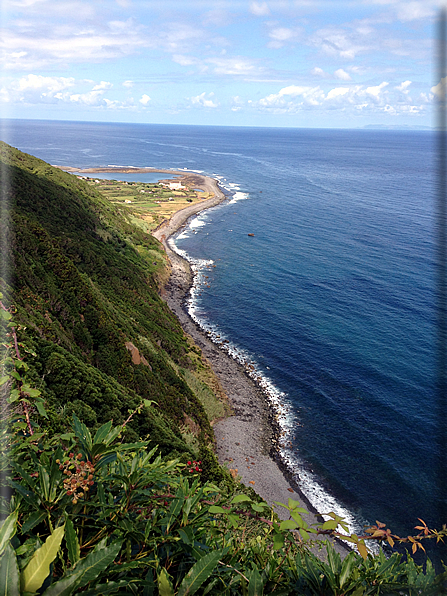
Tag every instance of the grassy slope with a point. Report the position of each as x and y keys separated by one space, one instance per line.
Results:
x=84 y=280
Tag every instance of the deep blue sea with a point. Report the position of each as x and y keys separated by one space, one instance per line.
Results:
x=332 y=300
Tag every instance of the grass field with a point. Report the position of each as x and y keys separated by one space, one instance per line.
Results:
x=147 y=204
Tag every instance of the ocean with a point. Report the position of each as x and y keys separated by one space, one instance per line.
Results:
x=332 y=300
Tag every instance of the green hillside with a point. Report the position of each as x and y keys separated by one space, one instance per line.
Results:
x=84 y=281
x=139 y=505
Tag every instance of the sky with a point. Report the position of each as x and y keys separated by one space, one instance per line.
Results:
x=282 y=63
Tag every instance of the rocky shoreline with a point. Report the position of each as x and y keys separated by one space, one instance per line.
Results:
x=247 y=441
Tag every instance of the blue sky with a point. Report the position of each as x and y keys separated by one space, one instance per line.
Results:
x=294 y=63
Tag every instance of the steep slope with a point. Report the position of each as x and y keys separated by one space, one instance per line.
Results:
x=84 y=282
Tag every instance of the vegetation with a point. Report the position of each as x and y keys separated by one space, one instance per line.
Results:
x=84 y=283
x=137 y=504
x=146 y=204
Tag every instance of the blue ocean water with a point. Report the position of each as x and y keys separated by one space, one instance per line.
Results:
x=332 y=300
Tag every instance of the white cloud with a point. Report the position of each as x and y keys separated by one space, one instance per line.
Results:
x=342 y=75
x=35 y=45
x=202 y=101
x=91 y=98
x=376 y=90
x=338 y=42
x=184 y=60
x=318 y=72
x=178 y=37
x=39 y=82
x=403 y=87
x=311 y=95
x=237 y=104
x=410 y=11
x=145 y=99
x=102 y=85
x=440 y=89
x=259 y=9
x=128 y=84
x=337 y=92
x=235 y=65
x=356 y=98
x=279 y=36
x=37 y=89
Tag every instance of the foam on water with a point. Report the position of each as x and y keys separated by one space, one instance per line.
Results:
x=284 y=413
x=239 y=196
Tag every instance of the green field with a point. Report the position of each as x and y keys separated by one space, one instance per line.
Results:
x=146 y=204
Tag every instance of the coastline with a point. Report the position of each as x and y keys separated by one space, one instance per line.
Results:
x=245 y=441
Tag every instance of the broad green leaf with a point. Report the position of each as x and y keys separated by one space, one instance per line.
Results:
x=288 y=524
x=174 y=510
x=331 y=524
x=30 y=390
x=333 y=558
x=8 y=529
x=293 y=504
x=234 y=520
x=299 y=520
x=258 y=508
x=37 y=570
x=9 y=573
x=304 y=534
x=27 y=494
x=102 y=432
x=112 y=435
x=85 y=570
x=278 y=541
x=199 y=573
x=108 y=588
x=32 y=521
x=24 y=474
x=41 y=409
x=5 y=315
x=346 y=568
x=240 y=499
x=72 y=542
x=94 y=563
x=83 y=434
x=4 y=380
x=164 y=584
x=216 y=509
x=63 y=587
x=255 y=585
x=13 y=396
x=44 y=480
x=108 y=458
x=187 y=535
